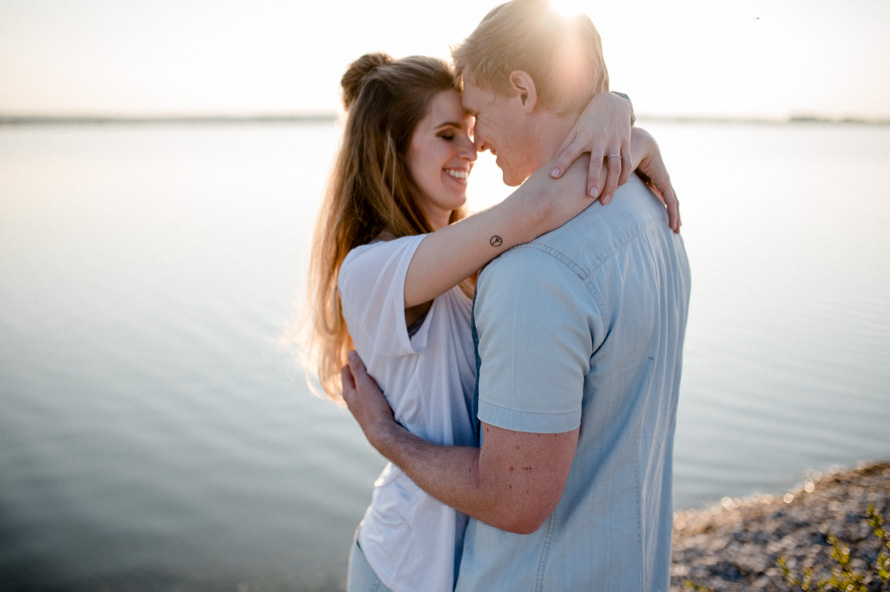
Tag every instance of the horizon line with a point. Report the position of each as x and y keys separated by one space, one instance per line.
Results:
x=219 y=118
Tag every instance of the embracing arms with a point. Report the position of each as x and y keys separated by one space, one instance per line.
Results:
x=448 y=256
x=513 y=482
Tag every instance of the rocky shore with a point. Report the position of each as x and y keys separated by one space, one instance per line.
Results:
x=735 y=545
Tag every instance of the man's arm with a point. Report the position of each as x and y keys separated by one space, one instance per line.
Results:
x=513 y=482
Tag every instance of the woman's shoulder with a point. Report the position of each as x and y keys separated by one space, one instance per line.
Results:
x=369 y=262
x=383 y=249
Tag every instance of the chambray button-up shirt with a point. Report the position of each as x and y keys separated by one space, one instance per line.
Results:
x=584 y=327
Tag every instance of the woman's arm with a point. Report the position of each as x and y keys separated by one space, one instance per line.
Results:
x=650 y=167
x=603 y=130
x=450 y=255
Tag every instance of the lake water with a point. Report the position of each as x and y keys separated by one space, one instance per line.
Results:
x=156 y=435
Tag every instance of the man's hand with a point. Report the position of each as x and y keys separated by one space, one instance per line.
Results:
x=365 y=401
x=603 y=130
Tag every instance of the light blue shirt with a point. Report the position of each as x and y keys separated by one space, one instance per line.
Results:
x=584 y=327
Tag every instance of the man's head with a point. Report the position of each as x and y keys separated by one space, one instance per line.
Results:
x=524 y=67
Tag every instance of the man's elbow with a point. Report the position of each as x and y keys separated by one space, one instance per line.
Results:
x=522 y=520
x=524 y=527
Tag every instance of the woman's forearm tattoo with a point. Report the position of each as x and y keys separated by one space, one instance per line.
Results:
x=496 y=241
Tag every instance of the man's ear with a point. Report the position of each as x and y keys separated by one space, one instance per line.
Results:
x=524 y=88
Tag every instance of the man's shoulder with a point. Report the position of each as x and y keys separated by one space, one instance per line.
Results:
x=634 y=206
x=524 y=262
x=599 y=231
x=531 y=273
x=584 y=244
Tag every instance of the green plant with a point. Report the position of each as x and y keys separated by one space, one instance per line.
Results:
x=844 y=578
x=882 y=564
x=696 y=587
x=805 y=584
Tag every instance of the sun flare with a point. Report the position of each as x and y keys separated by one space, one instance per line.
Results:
x=570 y=8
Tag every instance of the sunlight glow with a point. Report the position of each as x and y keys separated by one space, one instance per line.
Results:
x=685 y=58
x=570 y=8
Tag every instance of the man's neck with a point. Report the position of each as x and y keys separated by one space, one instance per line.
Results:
x=551 y=130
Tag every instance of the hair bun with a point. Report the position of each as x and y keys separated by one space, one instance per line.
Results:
x=357 y=73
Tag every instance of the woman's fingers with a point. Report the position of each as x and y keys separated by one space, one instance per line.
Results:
x=613 y=173
x=568 y=153
x=626 y=164
x=673 y=208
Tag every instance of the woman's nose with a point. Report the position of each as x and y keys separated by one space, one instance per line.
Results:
x=468 y=150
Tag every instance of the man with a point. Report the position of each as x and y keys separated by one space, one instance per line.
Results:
x=580 y=337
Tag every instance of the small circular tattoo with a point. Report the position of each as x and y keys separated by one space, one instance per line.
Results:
x=496 y=241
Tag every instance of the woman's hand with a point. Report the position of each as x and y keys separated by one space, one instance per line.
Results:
x=652 y=170
x=603 y=130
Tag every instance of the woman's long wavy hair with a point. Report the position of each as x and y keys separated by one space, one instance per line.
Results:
x=370 y=189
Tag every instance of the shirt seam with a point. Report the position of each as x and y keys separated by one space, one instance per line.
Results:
x=531 y=411
x=638 y=495
x=545 y=554
x=583 y=273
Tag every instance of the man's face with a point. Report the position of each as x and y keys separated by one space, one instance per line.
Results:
x=502 y=126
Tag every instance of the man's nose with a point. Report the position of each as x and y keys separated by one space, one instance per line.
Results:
x=479 y=143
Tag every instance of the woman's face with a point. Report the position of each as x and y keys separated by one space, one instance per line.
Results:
x=440 y=157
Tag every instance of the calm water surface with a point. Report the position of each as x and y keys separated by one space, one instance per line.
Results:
x=155 y=434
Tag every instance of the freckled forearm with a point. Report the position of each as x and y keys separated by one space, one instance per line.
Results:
x=450 y=474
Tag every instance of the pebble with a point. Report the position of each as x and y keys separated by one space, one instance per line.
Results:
x=734 y=546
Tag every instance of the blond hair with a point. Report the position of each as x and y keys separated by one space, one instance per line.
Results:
x=563 y=55
x=370 y=190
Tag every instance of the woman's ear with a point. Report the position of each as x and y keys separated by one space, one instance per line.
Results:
x=524 y=88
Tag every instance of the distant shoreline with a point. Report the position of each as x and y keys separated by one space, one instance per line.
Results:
x=162 y=119
x=173 y=119
x=795 y=120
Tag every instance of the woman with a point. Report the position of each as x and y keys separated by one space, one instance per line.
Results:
x=391 y=275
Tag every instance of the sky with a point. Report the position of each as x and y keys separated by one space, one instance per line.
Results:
x=688 y=58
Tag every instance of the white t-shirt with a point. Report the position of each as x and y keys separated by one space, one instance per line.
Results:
x=410 y=539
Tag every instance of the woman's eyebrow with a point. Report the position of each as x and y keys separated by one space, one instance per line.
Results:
x=449 y=124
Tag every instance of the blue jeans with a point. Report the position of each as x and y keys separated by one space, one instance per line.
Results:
x=360 y=577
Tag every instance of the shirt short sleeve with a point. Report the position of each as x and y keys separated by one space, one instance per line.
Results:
x=534 y=317
x=371 y=284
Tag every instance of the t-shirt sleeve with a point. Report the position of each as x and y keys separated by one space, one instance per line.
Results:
x=372 y=295
x=535 y=320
